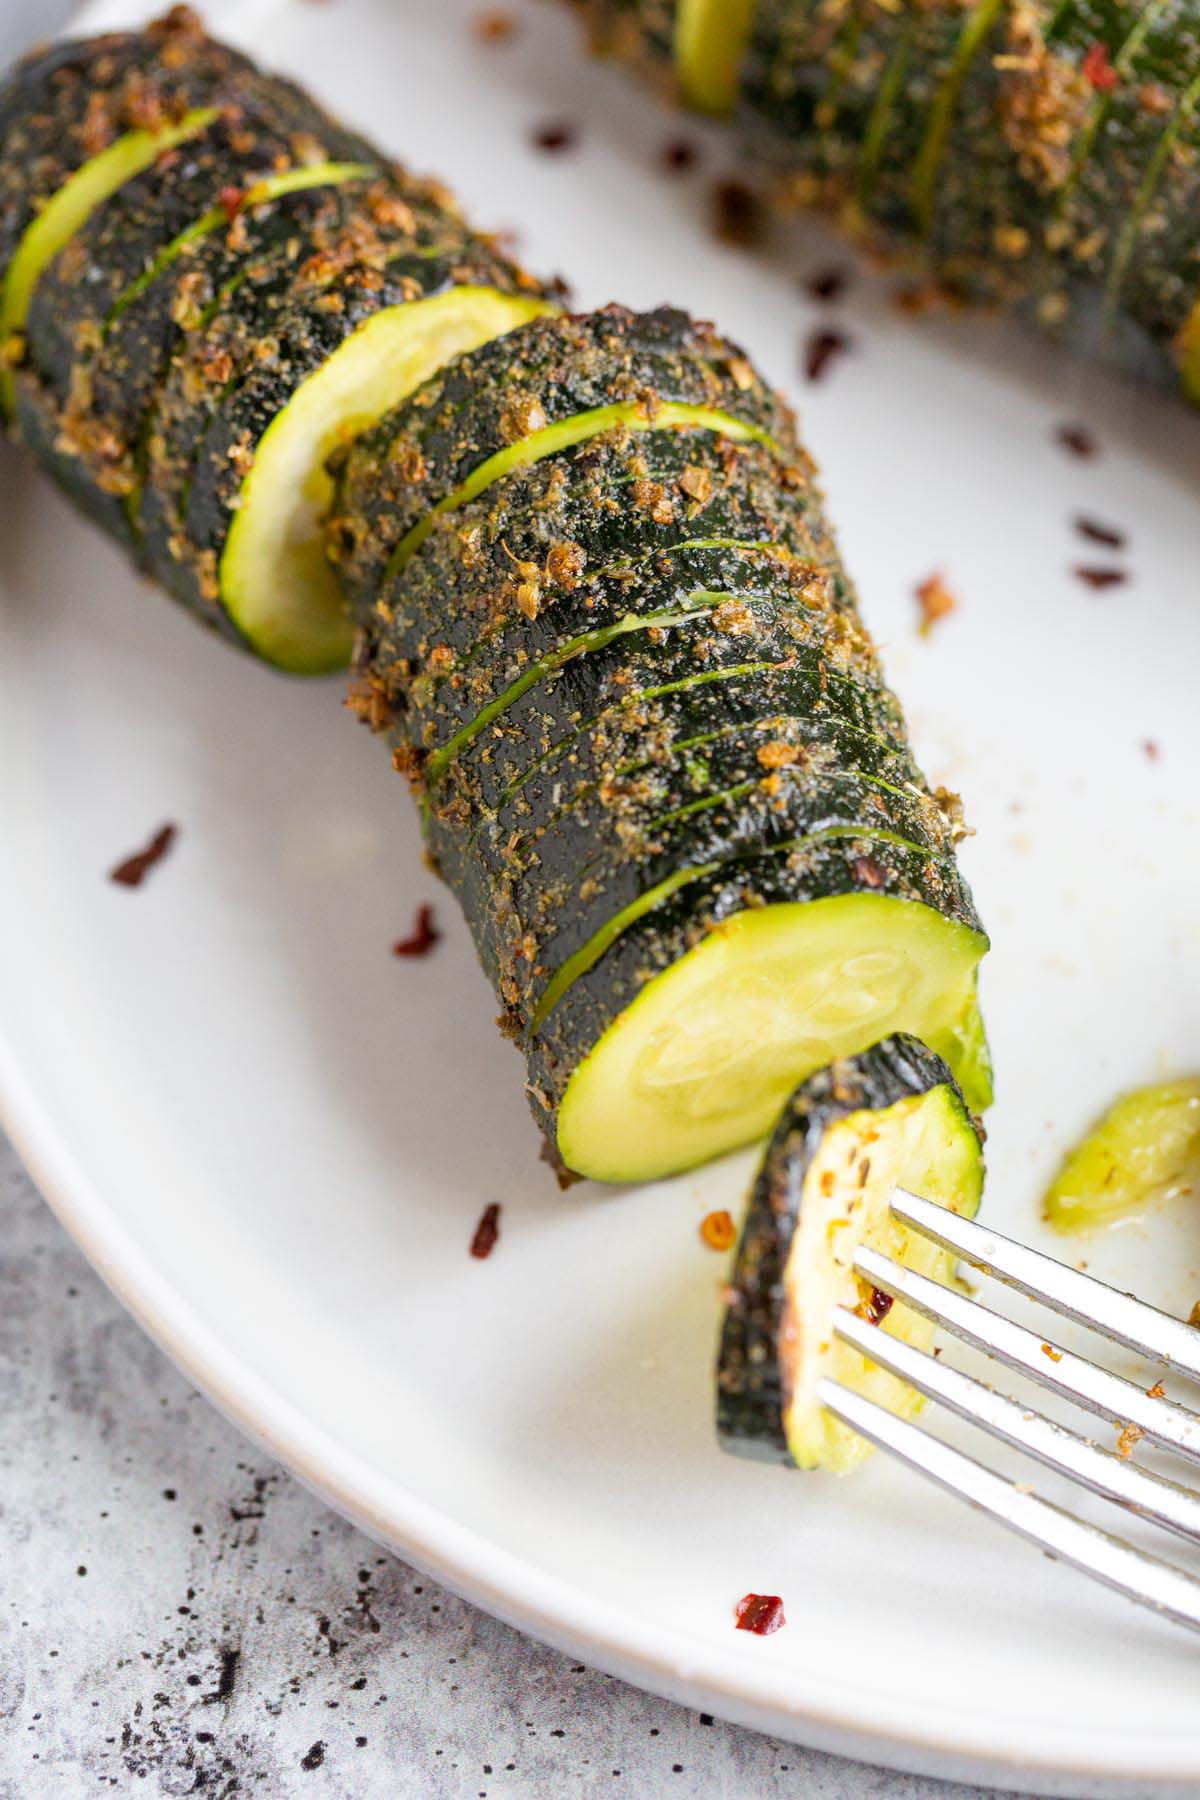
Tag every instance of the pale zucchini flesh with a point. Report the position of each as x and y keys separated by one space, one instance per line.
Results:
x=276 y=582
x=1146 y=1148
x=704 y=1058
x=919 y=1144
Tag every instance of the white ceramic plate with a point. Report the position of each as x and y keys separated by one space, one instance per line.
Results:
x=274 y=1140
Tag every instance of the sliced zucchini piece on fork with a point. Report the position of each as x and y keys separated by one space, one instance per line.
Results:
x=851 y=1134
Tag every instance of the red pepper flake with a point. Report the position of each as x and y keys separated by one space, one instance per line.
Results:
x=487 y=1232
x=1097 y=68
x=494 y=27
x=679 y=156
x=556 y=137
x=1078 y=440
x=133 y=871
x=231 y=201
x=739 y=216
x=718 y=1230
x=1099 y=533
x=828 y=285
x=1151 y=750
x=760 y=1613
x=935 y=601
x=876 y=1307
x=1100 y=578
x=422 y=938
x=821 y=349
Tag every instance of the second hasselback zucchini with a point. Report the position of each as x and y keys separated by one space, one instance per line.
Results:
x=1044 y=154
x=599 y=611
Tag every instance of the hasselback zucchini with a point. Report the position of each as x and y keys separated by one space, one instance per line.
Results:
x=1044 y=154
x=208 y=284
x=599 y=611
x=889 y=1117
x=656 y=758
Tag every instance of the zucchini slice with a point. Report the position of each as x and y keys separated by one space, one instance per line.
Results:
x=852 y=1133
x=57 y=223
x=710 y=38
x=1146 y=1148
x=700 y=1062
x=277 y=585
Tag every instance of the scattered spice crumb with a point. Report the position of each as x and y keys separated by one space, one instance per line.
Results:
x=422 y=938
x=822 y=348
x=1130 y=1435
x=1094 y=577
x=869 y=872
x=739 y=216
x=828 y=285
x=133 y=871
x=1099 y=533
x=1097 y=68
x=1077 y=440
x=487 y=1232
x=556 y=137
x=876 y=1307
x=1052 y=1353
x=1151 y=750
x=1194 y=1315
x=718 y=1230
x=1157 y=1392
x=760 y=1613
x=679 y=155
x=935 y=601
x=231 y=200
x=494 y=27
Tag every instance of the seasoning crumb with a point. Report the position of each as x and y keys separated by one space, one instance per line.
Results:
x=1130 y=1435
x=1094 y=577
x=739 y=216
x=1052 y=1353
x=828 y=285
x=1194 y=1315
x=760 y=1613
x=422 y=938
x=1157 y=1392
x=494 y=27
x=1099 y=533
x=1151 y=750
x=487 y=1232
x=935 y=601
x=1077 y=440
x=822 y=348
x=133 y=871
x=555 y=137
x=679 y=155
x=718 y=1230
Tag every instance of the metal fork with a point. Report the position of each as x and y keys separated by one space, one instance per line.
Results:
x=1139 y=1413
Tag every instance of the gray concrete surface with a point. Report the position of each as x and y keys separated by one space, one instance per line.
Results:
x=178 y=1617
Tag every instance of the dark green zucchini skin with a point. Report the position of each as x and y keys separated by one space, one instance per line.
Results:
x=751 y=1389
x=556 y=368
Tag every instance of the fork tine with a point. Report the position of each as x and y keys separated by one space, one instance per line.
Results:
x=1154 y=1497
x=1069 y=1291
x=1101 y=1392
x=1146 y=1579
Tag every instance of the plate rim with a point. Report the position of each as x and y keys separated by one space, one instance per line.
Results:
x=954 y=1747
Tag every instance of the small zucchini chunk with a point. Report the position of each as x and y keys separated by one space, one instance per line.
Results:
x=1146 y=1148
x=710 y=39
x=890 y=1117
